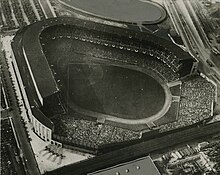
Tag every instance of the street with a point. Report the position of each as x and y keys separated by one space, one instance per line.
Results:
x=193 y=36
x=25 y=148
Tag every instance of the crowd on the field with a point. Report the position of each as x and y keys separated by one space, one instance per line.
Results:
x=16 y=14
x=118 y=49
x=196 y=103
x=90 y=132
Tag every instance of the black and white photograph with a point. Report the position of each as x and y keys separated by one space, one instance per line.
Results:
x=110 y=87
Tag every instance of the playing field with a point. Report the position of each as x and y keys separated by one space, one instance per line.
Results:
x=114 y=90
x=103 y=88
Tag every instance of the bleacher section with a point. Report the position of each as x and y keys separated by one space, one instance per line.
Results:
x=196 y=100
x=116 y=49
x=79 y=42
x=121 y=42
x=196 y=103
x=82 y=132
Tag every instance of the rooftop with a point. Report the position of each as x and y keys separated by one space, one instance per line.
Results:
x=141 y=166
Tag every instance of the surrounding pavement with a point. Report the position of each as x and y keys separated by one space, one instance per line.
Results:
x=194 y=38
x=26 y=151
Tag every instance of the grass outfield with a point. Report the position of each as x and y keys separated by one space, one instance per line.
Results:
x=114 y=91
x=105 y=89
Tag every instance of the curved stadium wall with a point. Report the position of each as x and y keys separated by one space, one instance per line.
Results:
x=38 y=78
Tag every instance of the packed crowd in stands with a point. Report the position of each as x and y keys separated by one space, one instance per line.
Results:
x=196 y=103
x=7 y=142
x=116 y=41
x=117 y=50
x=16 y=14
x=197 y=96
x=90 y=132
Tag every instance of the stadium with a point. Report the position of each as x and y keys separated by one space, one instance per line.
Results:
x=91 y=86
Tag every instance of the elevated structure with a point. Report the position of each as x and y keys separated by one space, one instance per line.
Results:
x=38 y=78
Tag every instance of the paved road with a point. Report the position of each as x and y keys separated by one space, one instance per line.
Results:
x=26 y=149
x=112 y=158
x=190 y=31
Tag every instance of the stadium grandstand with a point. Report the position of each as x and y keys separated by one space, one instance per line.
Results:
x=196 y=102
x=57 y=117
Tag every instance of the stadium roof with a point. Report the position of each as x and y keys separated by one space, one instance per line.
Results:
x=39 y=65
x=142 y=166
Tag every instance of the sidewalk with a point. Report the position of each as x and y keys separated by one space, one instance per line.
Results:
x=45 y=160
